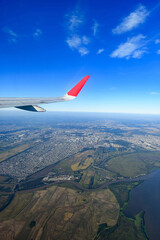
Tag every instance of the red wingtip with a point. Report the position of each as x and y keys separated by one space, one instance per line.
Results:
x=76 y=89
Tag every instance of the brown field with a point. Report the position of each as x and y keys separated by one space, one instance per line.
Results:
x=58 y=213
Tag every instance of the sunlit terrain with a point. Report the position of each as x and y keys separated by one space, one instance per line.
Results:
x=65 y=176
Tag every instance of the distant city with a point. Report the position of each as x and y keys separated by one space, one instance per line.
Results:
x=33 y=145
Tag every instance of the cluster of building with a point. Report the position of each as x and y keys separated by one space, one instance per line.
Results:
x=51 y=144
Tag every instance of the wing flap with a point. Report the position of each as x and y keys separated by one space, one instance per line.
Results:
x=32 y=108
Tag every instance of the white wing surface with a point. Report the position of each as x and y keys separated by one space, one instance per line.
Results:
x=30 y=104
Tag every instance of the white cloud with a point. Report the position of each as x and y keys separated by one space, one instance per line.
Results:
x=133 y=48
x=154 y=93
x=85 y=40
x=12 y=36
x=139 y=53
x=74 y=41
x=100 y=51
x=37 y=33
x=132 y=21
x=11 y=33
x=95 y=28
x=83 y=51
x=75 y=19
x=157 y=41
x=158 y=52
x=77 y=42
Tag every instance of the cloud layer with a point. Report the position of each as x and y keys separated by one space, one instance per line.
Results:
x=81 y=34
x=132 y=21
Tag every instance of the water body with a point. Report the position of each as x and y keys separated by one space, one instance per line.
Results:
x=146 y=197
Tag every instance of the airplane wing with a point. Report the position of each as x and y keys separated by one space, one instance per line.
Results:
x=30 y=104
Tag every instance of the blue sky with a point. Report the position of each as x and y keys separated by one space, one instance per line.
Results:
x=48 y=46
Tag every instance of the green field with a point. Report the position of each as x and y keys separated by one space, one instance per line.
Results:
x=126 y=229
x=134 y=164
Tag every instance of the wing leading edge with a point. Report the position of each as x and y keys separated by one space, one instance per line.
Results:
x=30 y=104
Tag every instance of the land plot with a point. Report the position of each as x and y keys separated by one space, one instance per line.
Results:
x=58 y=213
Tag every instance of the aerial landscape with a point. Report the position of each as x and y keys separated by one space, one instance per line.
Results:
x=86 y=169
x=76 y=175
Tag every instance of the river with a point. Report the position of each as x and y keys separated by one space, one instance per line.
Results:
x=146 y=197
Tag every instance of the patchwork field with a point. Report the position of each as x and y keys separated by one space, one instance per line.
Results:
x=58 y=213
x=66 y=212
